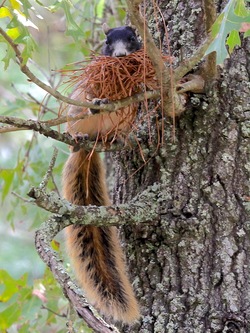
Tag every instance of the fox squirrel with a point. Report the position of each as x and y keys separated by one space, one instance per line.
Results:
x=95 y=251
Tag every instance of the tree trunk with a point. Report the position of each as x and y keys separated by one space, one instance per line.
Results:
x=191 y=266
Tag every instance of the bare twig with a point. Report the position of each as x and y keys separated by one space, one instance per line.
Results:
x=41 y=104
x=136 y=98
x=7 y=129
x=22 y=198
x=2 y=4
x=24 y=68
x=38 y=127
x=55 y=313
x=48 y=174
x=152 y=50
x=66 y=138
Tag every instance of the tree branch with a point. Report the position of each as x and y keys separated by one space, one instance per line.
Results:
x=48 y=174
x=38 y=126
x=163 y=73
x=43 y=126
x=173 y=102
x=7 y=129
x=66 y=138
x=210 y=68
x=43 y=237
x=110 y=107
x=142 y=209
x=145 y=207
x=167 y=93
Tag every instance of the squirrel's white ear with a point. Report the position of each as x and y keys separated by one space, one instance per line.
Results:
x=105 y=28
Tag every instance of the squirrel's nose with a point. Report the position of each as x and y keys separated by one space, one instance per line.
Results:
x=120 y=54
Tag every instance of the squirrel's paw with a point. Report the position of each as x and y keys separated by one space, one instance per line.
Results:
x=98 y=101
x=79 y=138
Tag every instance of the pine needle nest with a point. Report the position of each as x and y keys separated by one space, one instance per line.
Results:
x=115 y=78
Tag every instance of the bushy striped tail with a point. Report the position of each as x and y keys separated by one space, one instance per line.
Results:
x=95 y=251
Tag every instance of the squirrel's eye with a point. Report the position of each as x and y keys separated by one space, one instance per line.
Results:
x=132 y=38
x=107 y=42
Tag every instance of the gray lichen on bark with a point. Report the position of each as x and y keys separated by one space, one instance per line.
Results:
x=191 y=267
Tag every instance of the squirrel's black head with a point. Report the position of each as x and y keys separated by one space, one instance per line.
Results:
x=120 y=41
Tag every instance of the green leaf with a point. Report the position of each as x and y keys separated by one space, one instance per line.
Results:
x=10 y=54
x=55 y=245
x=233 y=40
x=24 y=20
x=30 y=305
x=26 y=6
x=30 y=46
x=7 y=176
x=24 y=329
x=11 y=285
x=217 y=25
x=9 y=316
x=15 y=4
x=220 y=49
x=100 y=8
x=13 y=33
x=247 y=33
x=231 y=18
x=240 y=9
x=5 y=12
x=73 y=29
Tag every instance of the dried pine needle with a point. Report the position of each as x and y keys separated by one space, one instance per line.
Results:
x=115 y=78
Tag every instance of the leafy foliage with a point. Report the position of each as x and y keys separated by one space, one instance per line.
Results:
x=226 y=29
x=82 y=22
x=18 y=21
x=30 y=308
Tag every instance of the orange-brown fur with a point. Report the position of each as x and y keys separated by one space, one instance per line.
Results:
x=101 y=126
x=95 y=251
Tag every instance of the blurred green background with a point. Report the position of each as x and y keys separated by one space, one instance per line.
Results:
x=50 y=36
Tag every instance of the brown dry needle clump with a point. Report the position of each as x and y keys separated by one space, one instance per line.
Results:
x=115 y=78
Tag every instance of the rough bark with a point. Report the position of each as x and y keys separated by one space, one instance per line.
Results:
x=191 y=268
